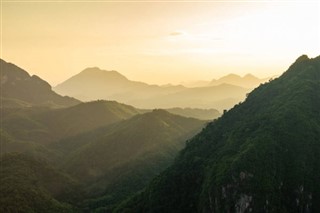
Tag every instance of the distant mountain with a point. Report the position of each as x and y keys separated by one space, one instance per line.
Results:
x=220 y=97
x=120 y=160
x=93 y=84
x=247 y=81
x=261 y=156
x=19 y=89
x=31 y=185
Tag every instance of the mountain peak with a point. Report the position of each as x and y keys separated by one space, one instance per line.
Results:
x=97 y=72
x=247 y=81
x=302 y=58
x=249 y=76
x=303 y=68
x=230 y=76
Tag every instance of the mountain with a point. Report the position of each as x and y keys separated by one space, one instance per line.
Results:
x=93 y=84
x=247 y=81
x=261 y=156
x=23 y=128
x=221 y=97
x=31 y=185
x=19 y=89
x=197 y=113
x=119 y=160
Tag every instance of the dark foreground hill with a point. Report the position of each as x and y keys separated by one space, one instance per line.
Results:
x=19 y=89
x=106 y=152
x=31 y=185
x=261 y=156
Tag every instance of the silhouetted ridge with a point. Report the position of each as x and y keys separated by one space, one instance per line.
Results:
x=261 y=156
x=93 y=83
x=19 y=89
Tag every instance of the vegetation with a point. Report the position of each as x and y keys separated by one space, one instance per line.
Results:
x=261 y=156
x=42 y=125
x=31 y=185
x=111 y=162
x=121 y=159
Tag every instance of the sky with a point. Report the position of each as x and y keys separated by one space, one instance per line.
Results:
x=158 y=42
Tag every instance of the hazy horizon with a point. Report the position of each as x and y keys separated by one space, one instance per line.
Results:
x=158 y=42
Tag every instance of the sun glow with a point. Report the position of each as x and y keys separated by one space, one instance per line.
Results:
x=160 y=42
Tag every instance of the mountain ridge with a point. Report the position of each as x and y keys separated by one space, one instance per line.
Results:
x=119 y=160
x=259 y=156
x=18 y=89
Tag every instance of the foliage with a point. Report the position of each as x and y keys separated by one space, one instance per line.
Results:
x=29 y=185
x=261 y=156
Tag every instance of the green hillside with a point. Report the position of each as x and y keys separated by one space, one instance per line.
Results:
x=44 y=125
x=109 y=148
x=261 y=156
x=31 y=185
x=126 y=155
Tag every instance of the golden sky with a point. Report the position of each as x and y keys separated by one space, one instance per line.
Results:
x=159 y=41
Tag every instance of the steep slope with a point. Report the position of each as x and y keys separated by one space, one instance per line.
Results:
x=127 y=155
x=31 y=185
x=261 y=156
x=19 y=89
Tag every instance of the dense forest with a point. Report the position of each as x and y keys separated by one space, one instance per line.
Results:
x=261 y=156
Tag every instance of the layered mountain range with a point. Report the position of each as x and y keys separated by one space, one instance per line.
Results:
x=59 y=154
x=94 y=83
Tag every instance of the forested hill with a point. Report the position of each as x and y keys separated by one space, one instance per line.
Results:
x=261 y=156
